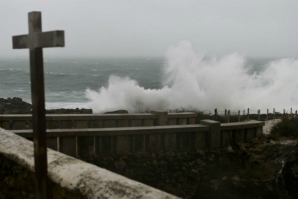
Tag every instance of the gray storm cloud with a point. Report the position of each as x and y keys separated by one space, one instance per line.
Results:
x=137 y=28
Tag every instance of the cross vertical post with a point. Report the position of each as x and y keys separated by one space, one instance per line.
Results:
x=35 y=41
x=38 y=110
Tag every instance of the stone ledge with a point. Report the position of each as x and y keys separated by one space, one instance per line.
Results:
x=76 y=175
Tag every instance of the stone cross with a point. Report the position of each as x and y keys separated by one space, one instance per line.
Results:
x=35 y=41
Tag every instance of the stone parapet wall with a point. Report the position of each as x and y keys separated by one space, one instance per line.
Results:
x=70 y=175
x=18 y=182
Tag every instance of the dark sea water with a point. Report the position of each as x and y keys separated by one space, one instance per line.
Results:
x=67 y=79
x=66 y=82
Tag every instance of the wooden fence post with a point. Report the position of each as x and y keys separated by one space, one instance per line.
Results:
x=213 y=136
x=215 y=114
x=162 y=117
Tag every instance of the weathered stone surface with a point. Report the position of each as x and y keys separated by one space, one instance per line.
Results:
x=75 y=175
x=18 y=182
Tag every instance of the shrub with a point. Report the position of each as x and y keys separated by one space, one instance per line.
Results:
x=288 y=127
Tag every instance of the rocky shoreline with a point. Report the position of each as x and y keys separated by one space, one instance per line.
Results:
x=260 y=169
x=16 y=105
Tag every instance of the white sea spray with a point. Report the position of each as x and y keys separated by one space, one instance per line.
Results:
x=194 y=80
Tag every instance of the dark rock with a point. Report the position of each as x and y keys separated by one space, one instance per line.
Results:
x=210 y=157
x=269 y=171
x=230 y=149
x=69 y=111
x=16 y=105
x=120 y=164
x=170 y=154
x=201 y=152
x=200 y=162
x=17 y=99
x=117 y=112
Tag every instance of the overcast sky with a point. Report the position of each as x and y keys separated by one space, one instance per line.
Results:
x=134 y=28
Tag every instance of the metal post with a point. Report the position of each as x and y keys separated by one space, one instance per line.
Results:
x=273 y=113
x=238 y=115
x=228 y=116
x=267 y=114
x=259 y=114
x=248 y=114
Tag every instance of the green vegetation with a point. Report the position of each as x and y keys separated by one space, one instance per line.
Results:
x=288 y=127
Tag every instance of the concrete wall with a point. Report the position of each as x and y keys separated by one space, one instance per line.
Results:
x=70 y=176
x=60 y=121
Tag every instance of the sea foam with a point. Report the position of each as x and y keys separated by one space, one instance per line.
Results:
x=195 y=81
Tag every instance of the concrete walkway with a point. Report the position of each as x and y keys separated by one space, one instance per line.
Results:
x=269 y=124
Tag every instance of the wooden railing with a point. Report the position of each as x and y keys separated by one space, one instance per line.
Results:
x=79 y=121
x=128 y=140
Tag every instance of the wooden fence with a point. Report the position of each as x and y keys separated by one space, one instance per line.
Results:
x=79 y=121
x=130 y=140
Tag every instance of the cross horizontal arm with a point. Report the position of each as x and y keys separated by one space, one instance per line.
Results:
x=39 y=40
x=20 y=41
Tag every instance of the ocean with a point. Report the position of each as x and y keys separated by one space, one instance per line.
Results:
x=66 y=80
x=182 y=79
